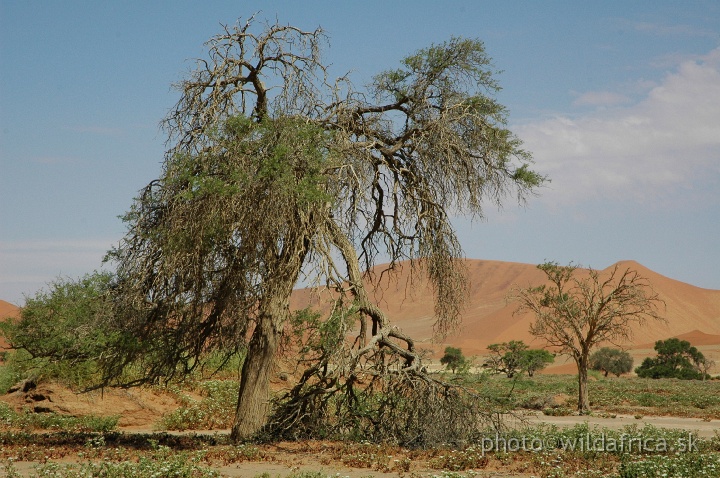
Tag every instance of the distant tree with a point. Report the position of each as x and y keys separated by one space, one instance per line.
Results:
x=675 y=359
x=506 y=357
x=534 y=360
x=515 y=357
x=574 y=314
x=453 y=359
x=611 y=361
x=705 y=365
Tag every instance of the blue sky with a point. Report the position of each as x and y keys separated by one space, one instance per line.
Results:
x=618 y=101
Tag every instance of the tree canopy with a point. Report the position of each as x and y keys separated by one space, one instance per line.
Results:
x=274 y=170
x=454 y=359
x=675 y=359
x=611 y=361
x=62 y=331
x=516 y=357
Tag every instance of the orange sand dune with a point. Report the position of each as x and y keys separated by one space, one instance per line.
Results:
x=489 y=318
x=7 y=310
x=695 y=337
x=692 y=313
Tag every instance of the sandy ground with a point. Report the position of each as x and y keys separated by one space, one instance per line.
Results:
x=287 y=459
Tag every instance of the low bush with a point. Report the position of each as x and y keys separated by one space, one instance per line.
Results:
x=9 y=419
x=215 y=410
x=162 y=462
x=684 y=465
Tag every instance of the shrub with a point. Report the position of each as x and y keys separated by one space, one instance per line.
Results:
x=61 y=332
x=514 y=357
x=10 y=419
x=215 y=410
x=534 y=360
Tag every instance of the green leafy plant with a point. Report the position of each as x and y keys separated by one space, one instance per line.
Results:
x=609 y=360
x=62 y=331
x=213 y=411
x=515 y=357
x=9 y=419
x=454 y=360
x=675 y=359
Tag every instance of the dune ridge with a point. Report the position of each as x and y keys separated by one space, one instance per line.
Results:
x=691 y=312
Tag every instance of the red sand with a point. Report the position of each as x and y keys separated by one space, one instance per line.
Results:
x=7 y=310
x=692 y=313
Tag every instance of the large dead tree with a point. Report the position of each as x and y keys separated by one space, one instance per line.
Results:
x=273 y=171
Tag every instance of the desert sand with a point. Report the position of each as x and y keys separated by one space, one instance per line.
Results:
x=692 y=313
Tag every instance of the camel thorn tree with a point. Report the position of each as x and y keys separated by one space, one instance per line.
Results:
x=272 y=171
x=575 y=313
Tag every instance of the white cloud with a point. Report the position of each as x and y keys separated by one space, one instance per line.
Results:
x=661 y=146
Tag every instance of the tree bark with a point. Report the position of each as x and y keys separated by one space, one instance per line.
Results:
x=583 y=398
x=253 y=396
x=274 y=311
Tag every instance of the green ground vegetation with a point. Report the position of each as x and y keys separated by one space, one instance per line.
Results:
x=541 y=450
x=88 y=446
x=623 y=395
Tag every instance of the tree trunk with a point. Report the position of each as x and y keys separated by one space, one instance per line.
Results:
x=253 y=396
x=273 y=313
x=583 y=399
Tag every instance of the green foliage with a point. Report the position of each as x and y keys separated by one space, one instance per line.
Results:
x=61 y=332
x=515 y=357
x=534 y=360
x=623 y=395
x=162 y=462
x=675 y=359
x=9 y=419
x=220 y=224
x=11 y=372
x=454 y=359
x=317 y=336
x=683 y=465
x=609 y=360
x=285 y=155
x=214 y=411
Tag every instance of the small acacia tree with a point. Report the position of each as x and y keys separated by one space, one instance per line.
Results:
x=705 y=366
x=453 y=359
x=273 y=170
x=62 y=331
x=506 y=357
x=534 y=360
x=515 y=357
x=574 y=314
x=611 y=361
